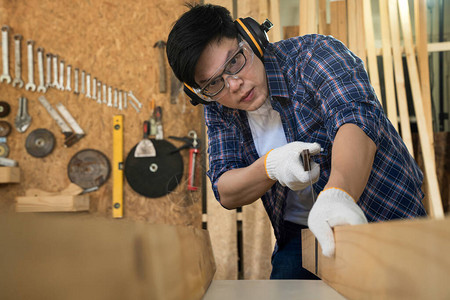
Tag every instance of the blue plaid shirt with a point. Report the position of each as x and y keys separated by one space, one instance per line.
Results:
x=317 y=85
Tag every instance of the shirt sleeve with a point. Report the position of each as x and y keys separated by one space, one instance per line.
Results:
x=339 y=81
x=223 y=144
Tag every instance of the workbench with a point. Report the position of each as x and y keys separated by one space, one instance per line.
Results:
x=270 y=290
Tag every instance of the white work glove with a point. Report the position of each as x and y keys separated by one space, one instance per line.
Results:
x=284 y=164
x=333 y=207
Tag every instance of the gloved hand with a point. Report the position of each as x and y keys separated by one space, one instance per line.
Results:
x=284 y=164
x=333 y=207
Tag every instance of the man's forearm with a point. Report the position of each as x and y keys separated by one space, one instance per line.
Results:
x=239 y=187
x=351 y=160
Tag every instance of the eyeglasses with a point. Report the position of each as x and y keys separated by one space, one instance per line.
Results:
x=216 y=84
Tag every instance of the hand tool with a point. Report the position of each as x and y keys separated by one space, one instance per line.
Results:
x=61 y=75
x=135 y=107
x=23 y=119
x=175 y=88
x=55 y=83
x=152 y=117
x=125 y=100
x=78 y=132
x=117 y=205
x=109 y=104
x=145 y=147
x=75 y=81
x=104 y=93
x=68 y=78
x=120 y=99
x=30 y=86
x=192 y=143
x=156 y=176
x=83 y=83
x=94 y=88
x=5 y=55
x=162 y=66
x=89 y=168
x=305 y=158
x=159 y=125
x=7 y=162
x=5 y=128
x=115 y=97
x=133 y=97
x=99 y=92
x=40 y=56
x=5 y=109
x=48 y=77
x=88 y=85
x=40 y=142
x=70 y=137
x=17 y=82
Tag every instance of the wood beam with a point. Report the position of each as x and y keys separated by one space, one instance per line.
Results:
x=83 y=257
x=405 y=259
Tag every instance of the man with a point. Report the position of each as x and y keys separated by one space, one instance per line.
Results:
x=263 y=110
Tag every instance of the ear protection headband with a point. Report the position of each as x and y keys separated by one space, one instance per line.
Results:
x=254 y=34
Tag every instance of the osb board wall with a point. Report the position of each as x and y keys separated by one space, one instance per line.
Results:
x=113 y=41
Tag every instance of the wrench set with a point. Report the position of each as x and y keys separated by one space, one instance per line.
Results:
x=90 y=87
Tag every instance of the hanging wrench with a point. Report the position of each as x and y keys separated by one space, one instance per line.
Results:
x=94 y=88
x=109 y=96
x=99 y=92
x=40 y=57
x=61 y=75
x=130 y=93
x=17 y=62
x=83 y=75
x=75 y=79
x=120 y=99
x=48 y=77
x=5 y=56
x=69 y=70
x=115 y=98
x=30 y=86
x=23 y=119
x=104 y=92
x=88 y=85
x=125 y=100
x=55 y=83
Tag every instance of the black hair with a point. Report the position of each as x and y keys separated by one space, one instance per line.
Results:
x=192 y=32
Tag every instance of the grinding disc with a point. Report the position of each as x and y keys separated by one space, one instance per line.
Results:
x=156 y=176
x=89 y=168
x=4 y=109
x=5 y=128
x=40 y=142
x=4 y=150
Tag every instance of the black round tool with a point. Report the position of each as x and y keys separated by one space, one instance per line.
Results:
x=89 y=168
x=155 y=176
x=5 y=109
x=40 y=142
x=5 y=128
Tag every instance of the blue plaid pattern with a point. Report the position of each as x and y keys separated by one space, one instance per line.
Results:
x=317 y=85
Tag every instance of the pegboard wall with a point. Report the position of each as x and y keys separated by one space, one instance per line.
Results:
x=113 y=41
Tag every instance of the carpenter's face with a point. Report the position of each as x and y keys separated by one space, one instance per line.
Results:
x=228 y=72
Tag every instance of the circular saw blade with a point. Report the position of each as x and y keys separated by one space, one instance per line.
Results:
x=40 y=142
x=89 y=168
x=156 y=176
x=5 y=109
x=5 y=128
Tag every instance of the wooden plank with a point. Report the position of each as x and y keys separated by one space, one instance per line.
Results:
x=391 y=103
x=361 y=50
x=400 y=77
x=257 y=242
x=308 y=17
x=52 y=203
x=338 y=20
x=439 y=47
x=353 y=30
x=69 y=257
x=324 y=27
x=426 y=142
x=420 y=16
x=370 y=44
x=9 y=174
x=405 y=259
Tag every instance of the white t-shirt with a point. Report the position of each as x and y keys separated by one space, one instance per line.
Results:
x=267 y=132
